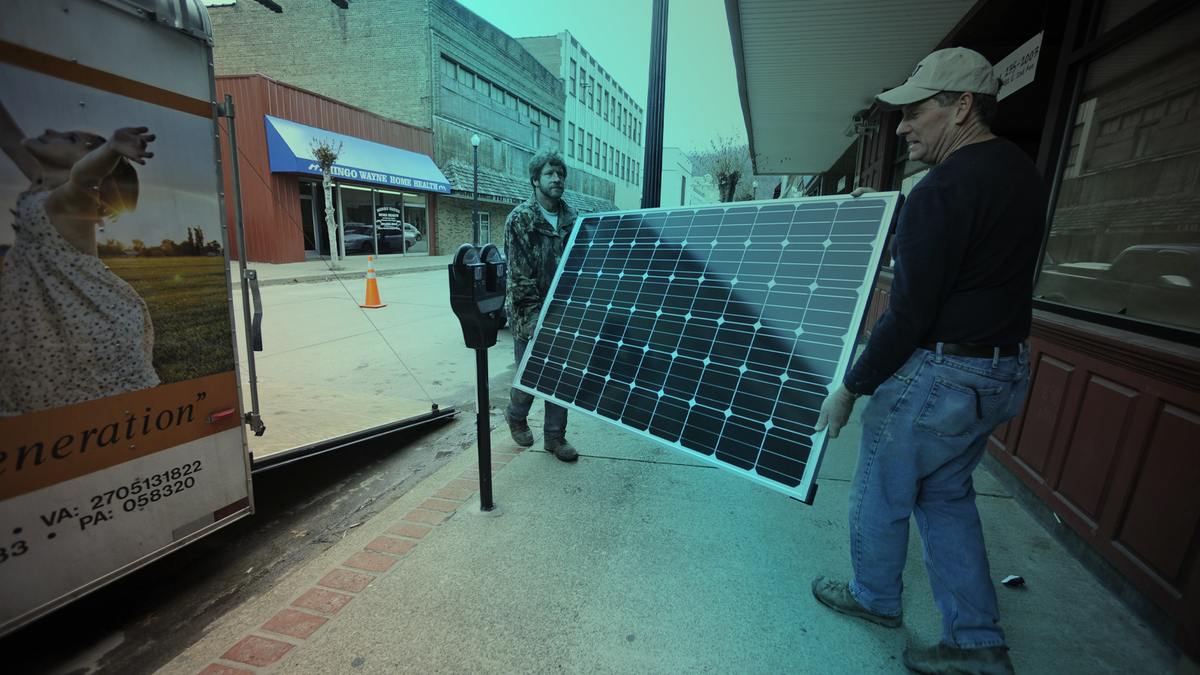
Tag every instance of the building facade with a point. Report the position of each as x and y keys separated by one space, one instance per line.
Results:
x=680 y=187
x=429 y=63
x=384 y=198
x=604 y=124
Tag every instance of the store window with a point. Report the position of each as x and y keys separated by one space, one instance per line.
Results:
x=382 y=222
x=1125 y=233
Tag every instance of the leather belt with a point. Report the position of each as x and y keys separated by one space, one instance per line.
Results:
x=972 y=351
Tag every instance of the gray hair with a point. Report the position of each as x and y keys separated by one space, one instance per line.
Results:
x=985 y=106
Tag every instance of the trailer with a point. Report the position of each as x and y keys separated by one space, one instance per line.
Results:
x=124 y=410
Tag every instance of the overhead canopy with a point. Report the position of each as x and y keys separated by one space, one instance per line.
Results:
x=805 y=68
x=290 y=148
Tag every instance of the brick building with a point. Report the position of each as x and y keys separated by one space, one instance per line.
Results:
x=603 y=123
x=428 y=63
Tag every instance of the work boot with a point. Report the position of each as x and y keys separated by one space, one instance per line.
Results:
x=519 y=429
x=836 y=596
x=561 y=449
x=942 y=659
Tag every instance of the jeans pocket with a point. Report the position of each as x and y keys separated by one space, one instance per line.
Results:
x=952 y=410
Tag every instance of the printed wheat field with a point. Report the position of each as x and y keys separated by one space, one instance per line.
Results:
x=188 y=301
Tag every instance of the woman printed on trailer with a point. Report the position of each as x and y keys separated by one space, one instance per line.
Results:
x=70 y=329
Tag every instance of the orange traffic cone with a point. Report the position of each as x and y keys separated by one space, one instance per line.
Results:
x=372 y=301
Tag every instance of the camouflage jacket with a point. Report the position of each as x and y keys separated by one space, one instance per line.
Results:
x=533 y=249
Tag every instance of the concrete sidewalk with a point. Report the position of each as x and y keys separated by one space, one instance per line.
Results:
x=638 y=559
x=354 y=267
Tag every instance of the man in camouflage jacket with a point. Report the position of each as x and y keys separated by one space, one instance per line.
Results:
x=534 y=236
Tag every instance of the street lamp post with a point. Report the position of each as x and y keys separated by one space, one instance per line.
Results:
x=475 y=207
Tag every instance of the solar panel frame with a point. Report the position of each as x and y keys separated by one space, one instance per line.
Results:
x=693 y=339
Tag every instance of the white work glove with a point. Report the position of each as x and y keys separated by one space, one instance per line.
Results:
x=835 y=411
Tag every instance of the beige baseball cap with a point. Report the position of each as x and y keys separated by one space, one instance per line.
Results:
x=954 y=69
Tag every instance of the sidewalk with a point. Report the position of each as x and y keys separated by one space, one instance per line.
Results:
x=637 y=559
x=354 y=267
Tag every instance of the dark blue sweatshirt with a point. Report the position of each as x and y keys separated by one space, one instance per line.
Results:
x=964 y=256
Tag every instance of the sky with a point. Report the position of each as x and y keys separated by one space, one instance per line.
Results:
x=701 y=98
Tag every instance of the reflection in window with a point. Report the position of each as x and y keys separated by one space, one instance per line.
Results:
x=1125 y=234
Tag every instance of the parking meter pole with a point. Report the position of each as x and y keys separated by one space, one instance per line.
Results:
x=477 y=289
x=483 y=429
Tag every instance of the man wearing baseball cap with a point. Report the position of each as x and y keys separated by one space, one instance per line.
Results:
x=945 y=364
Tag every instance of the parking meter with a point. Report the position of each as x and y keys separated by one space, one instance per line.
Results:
x=478 y=279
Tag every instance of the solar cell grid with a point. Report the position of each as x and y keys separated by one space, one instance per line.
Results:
x=716 y=330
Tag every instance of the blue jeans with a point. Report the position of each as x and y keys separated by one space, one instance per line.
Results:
x=924 y=431
x=519 y=403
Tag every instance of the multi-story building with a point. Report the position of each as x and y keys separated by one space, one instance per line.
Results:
x=604 y=125
x=432 y=64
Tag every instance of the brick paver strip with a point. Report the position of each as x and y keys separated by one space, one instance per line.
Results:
x=297 y=624
x=257 y=651
x=454 y=493
x=322 y=600
x=440 y=505
x=410 y=530
x=391 y=545
x=371 y=562
x=426 y=517
x=460 y=484
x=469 y=474
x=218 y=669
x=345 y=580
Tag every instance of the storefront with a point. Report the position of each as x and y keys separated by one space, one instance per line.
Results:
x=1105 y=450
x=383 y=180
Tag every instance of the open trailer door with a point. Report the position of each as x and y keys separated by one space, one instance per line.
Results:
x=121 y=435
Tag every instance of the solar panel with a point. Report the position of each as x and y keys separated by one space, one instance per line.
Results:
x=715 y=330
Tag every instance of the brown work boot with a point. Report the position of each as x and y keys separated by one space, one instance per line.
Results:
x=942 y=659
x=561 y=449
x=519 y=429
x=836 y=596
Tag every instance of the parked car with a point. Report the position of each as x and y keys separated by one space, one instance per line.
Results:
x=391 y=239
x=358 y=239
x=1159 y=282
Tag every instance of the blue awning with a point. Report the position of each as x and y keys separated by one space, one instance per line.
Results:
x=289 y=146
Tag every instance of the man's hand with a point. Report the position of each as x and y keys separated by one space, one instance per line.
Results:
x=858 y=192
x=835 y=411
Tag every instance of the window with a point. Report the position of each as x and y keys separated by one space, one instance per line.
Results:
x=596 y=150
x=606 y=99
x=570 y=140
x=1121 y=242
x=589 y=150
x=604 y=162
x=483 y=86
x=466 y=77
x=573 y=77
x=511 y=101
x=449 y=67
x=523 y=108
x=591 y=92
x=612 y=106
x=580 y=156
x=537 y=135
x=498 y=94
